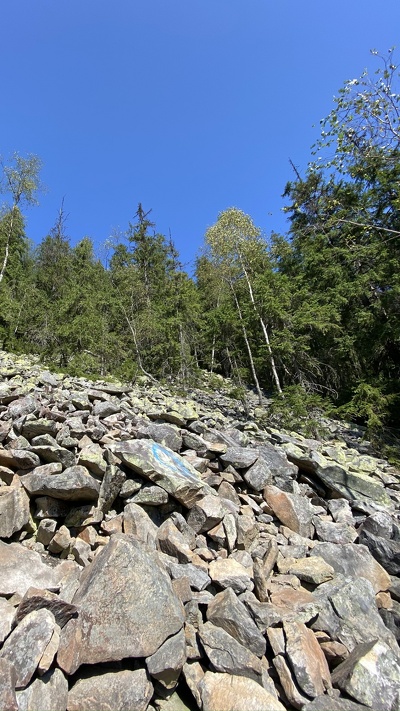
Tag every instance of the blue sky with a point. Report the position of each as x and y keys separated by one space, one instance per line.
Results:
x=188 y=106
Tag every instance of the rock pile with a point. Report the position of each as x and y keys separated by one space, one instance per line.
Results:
x=164 y=553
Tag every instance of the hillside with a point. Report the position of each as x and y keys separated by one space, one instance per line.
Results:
x=168 y=552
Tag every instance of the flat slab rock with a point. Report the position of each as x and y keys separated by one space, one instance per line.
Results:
x=227 y=692
x=116 y=691
x=164 y=468
x=127 y=607
x=21 y=569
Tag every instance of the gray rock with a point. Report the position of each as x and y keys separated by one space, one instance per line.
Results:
x=353 y=560
x=167 y=662
x=26 y=644
x=206 y=513
x=138 y=523
x=227 y=692
x=164 y=468
x=198 y=578
x=36 y=599
x=353 y=485
x=258 y=475
x=239 y=457
x=105 y=409
x=348 y=612
x=117 y=691
x=7 y=616
x=334 y=532
x=23 y=406
x=127 y=607
x=8 y=678
x=150 y=496
x=55 y=454
x=330 y=703
x=229 y=573
x=307 y=659
x=14 y=510
x=386 y=552
x=167 y=435
x=49 y=693
x=226 y=654
x=73 y=484
x=228 y=612
x=371 y=675
x=21 y=569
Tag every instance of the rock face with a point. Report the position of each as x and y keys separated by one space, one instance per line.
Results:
x=127 y=608
x=168 y=554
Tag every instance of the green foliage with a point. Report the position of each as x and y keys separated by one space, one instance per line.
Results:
x=300 y=411
x=370 y=405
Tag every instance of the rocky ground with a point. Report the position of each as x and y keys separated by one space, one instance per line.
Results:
x=166 y=553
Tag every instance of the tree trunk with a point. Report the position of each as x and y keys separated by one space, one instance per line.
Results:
x=5 y=260
x=246 y=340
x=265 y=332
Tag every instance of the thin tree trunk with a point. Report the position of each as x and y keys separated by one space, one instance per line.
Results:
x=265 y=332
x=5 y=260
x=246 y=340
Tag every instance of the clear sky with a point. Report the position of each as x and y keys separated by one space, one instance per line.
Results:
x=188 y=106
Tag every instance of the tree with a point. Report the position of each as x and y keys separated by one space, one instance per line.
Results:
x=235 y=245
x=20 y=181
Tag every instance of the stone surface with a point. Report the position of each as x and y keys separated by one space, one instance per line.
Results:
x=8 y=678
x=227 y=655
x=73 y=484
x=293 y=510
x=21 y=569
x=354 y=560
x=127 y=607
x=371 y=675
x=113 y=691
x=167 y=662
x=165 y=468
x=27 y=643
x=306 y=659
x=229 y=573
x=312 y=570
x=227 y=692
x=14 y=510
x=228 y=612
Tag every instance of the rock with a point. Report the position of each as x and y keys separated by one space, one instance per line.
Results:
x=150 y=496
x=113 y=691
x=229 y=573
x=167 y=435
x=36 y=599
x=206 y=513
x=105 y=409
x=295 y=697
x=167 y=662
x=228 y=612
x=386 y=552
x=14 y=510
x=172 y=541
x=334 y=532
x=227 y=655
x=164 y=468
x=293 y=510
x=52 y=453
x=127 y=607
x=258 y=475
x=352 y=485
x=371 y=675
x=353 y=560
x=73 y=484
x=7 y=616
x=348 y=612
x=306 y=659
x=27 y=643
x=312 y=570
x=227 y=692
x=239 y=457
x=330 y=703
x=8 y=678
x=21 y=569
x=138 y=523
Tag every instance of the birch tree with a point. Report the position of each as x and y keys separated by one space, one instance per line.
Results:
x=235 y=245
